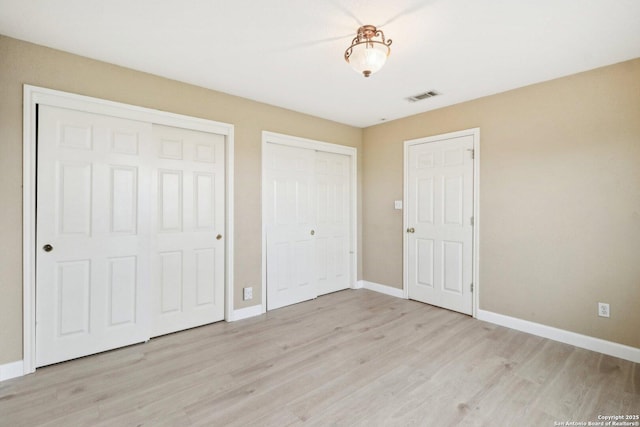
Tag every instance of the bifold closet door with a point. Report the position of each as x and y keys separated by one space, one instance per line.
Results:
x=307 y=218
x=188 y=218
x=93 y=234
x=290 y=210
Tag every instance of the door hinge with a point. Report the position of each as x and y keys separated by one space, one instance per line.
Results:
x=472 y=221
x=473 y=153
x=472 y=287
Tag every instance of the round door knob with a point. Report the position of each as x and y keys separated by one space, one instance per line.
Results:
x=313 y=232
x=219 y=236
x=411 y=230
x=47 y=248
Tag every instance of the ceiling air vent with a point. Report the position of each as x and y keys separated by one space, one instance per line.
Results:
x=421 y=96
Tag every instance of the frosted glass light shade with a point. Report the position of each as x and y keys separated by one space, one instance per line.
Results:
x=368 y=57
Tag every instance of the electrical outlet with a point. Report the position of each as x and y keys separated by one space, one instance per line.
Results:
x=603 y=309
x=247 y=293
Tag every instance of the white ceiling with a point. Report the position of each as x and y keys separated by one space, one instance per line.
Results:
x=289 y=53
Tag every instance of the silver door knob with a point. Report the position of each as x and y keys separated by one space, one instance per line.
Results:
x=47 y=248
x=313 y=232
x=411 y=230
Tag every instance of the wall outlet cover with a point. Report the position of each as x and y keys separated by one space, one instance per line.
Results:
x=603 y=309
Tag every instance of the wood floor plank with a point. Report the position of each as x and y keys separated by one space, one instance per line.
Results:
x=352 y=358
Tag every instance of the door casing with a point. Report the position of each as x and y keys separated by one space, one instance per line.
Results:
x=34 y=96
x=475 y=133
x=282 y=139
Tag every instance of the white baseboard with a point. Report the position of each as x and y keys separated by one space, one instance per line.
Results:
x=567 y=337
x=383 y=289
x=583 y=341
x=11 y=370
x=247 y=312
x=358 y=285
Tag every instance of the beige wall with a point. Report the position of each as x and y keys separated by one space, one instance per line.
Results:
x=560 y=185
x=22 y=63
x=559 y=199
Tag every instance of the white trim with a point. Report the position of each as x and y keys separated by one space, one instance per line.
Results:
x=229 y=215
x=29 y=230
x=475 y=133
x=294 y=141
x=34 y=96
x=247 y=312
x=39 y=95
x=476 y=222
x=383 y=289
x=11 y=370
x=583 y=341
x=405 y=221
x=358 y=285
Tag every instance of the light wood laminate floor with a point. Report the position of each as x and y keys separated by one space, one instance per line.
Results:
x=353 y=358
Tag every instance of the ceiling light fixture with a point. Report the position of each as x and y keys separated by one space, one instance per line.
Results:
x=366 y=54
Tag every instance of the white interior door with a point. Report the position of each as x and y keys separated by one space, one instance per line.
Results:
x=333 y=189
x=92 y=234
x=440 y=231
x=290 y=214
x=188 y=224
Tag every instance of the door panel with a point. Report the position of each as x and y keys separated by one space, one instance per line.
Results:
x=333 y=225
x=453 y=267
x=290 y=220
x=90 y=288
x=188 y=263
x=72 y=297
x=170 y=203
x=424 y=200
x=170 y=282
x=205 y=274
x=425 y=262
x=75 y=194
x=440 y=208
x=122 y=283
x=124 y=199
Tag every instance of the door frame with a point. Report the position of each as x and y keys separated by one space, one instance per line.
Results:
x=34 y=96
x=294 y=141
x=475 y=133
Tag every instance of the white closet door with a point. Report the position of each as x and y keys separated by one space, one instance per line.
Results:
x=290 y=214
x=333 y=222
x=93 y=234
x=188 y=224
x=440 y=234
